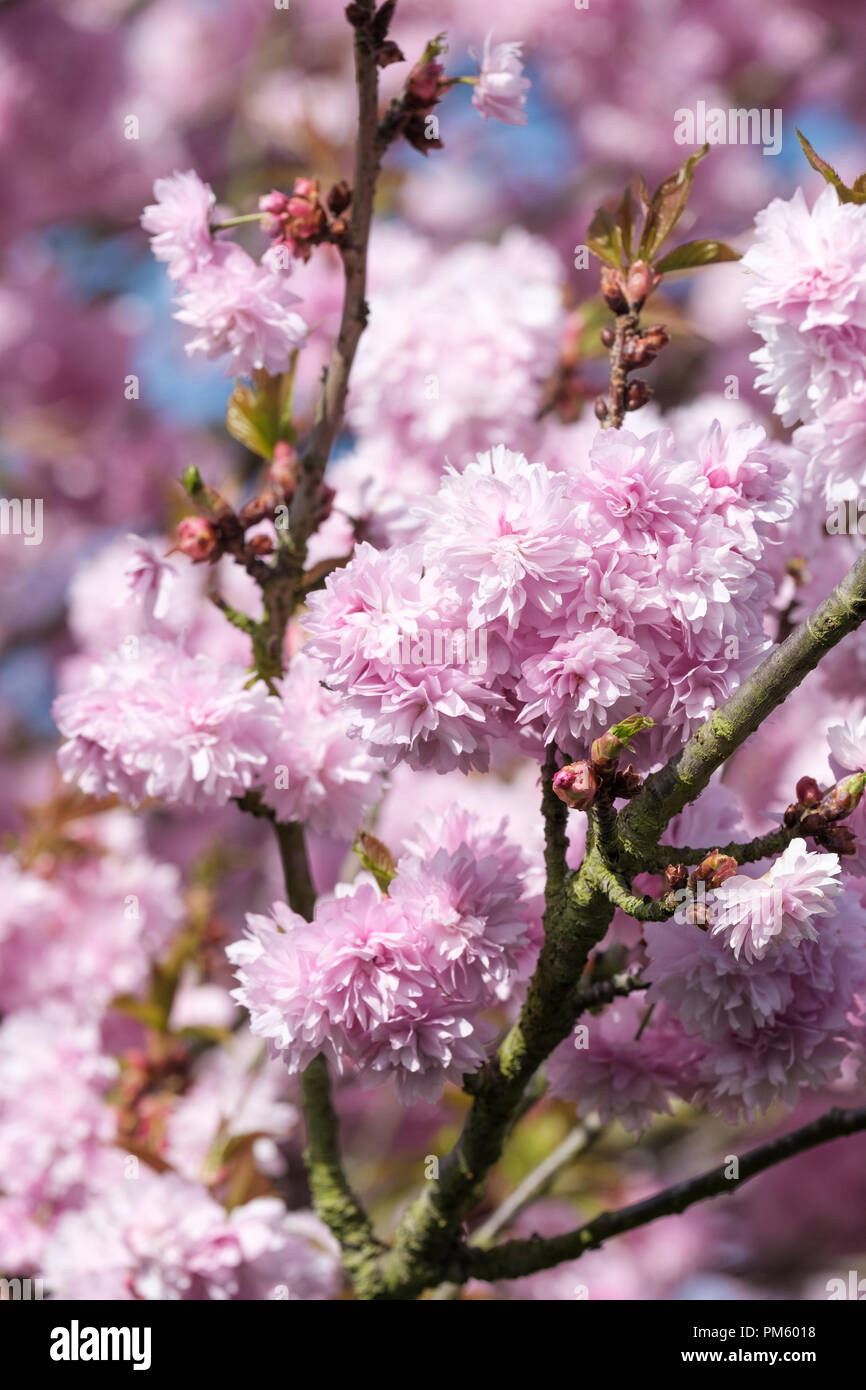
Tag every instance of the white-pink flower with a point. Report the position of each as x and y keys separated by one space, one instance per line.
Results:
x=242 y=310
x=781 y=906
x=179 y=223
x=500 y=91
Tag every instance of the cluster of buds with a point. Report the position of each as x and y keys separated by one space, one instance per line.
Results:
x=300 y=220
x=630 y=347
x=578 y=783
x=219 y=529
x=816 y=813
x=711 y=873
x=410 y=114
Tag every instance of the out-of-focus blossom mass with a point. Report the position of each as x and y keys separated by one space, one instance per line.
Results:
x=341 y=506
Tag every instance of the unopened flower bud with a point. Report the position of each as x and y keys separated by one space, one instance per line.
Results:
x=613 y=289
x=607 y=747
x=639 y=281
x=715 y=868
x=676 y=876
x=285 y=468
x=261 y=545
x=842 y=799
x=576 y=784
x=608 y=336
x=422 y=88
x=639 y=393
x=197 y=539
x=600 y=408
x=808 y=792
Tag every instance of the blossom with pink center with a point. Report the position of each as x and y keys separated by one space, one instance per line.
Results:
x=783 y=905
x=318 y=773
x=500 y=92
x=607 y=1068
x=54 y=1115
x=241 y=310
x=807 y=265
x=638 y=489
x=848 y=745
x=149 y=578
x=150 y=721
x=179 y=223
x=95 y=931
x=581 y=684
x=163 y=1238
x=414 y=687
x=505 y=530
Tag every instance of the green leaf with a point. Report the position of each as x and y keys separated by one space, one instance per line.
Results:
x=627 y=728
x=604 y=238
x=857 y=194
x=260 y=414
x=625 y=221
x=696 y=253
x=376 y=858
x=667 y=205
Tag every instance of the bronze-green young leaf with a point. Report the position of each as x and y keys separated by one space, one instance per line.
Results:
x=667 y=205
x=696 y=253
x=376 y=858
x=604 y=238
x=857 y=194
x=260 y=414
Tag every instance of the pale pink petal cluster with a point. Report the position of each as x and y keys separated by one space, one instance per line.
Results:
x=500 y=92
x=786 y=904
x=150 y=721
x=163 y=1238
x=397 y=983
x=179 y=223
x=319 y=774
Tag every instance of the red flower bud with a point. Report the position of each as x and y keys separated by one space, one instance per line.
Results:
x=197 y=539
x=576 y=784
x=808 y=791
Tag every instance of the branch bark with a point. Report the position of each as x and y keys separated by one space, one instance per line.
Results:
x=516 y=1258
x=685 y=776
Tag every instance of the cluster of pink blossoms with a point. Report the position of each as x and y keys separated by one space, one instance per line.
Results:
x=147 y=720
x=538 y=605
x=808 y=296
x=396 y=983
x=160 y=1237
x=238 y=307
x=766 y=1003
x=89 y=927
